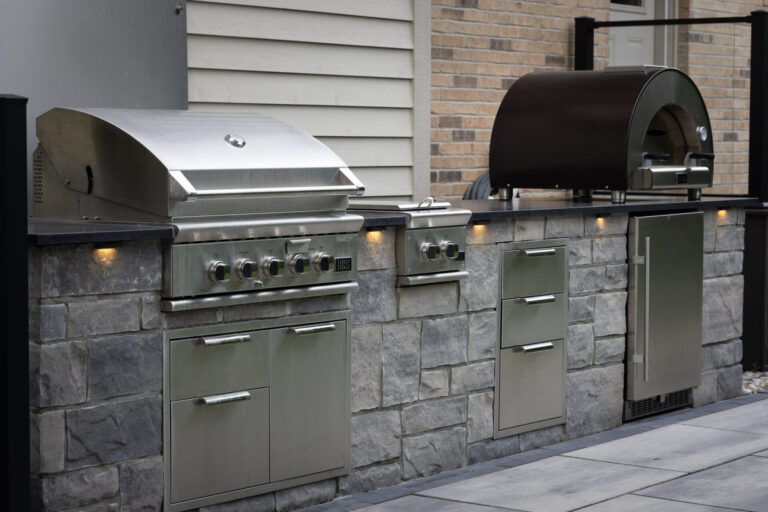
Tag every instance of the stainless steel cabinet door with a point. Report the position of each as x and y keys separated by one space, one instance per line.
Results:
x=665 y=304
x=310 y=400
x=532 y=319
x=534 y=271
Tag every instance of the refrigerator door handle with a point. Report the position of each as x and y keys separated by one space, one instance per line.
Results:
x=647 y=312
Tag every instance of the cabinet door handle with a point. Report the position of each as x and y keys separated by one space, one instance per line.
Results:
x=312 y=329
x=646 y=334
x=226 y=340
x=537 y=347
x=227 y=398
x=540 y=299
x=539 y=252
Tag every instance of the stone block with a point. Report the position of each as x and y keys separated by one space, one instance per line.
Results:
x=529 y=229
x=258 y=311
x=376 y=249
x=482 y=335
x=497 y=231
x=729 y=382
x=727 y=216
x=586 y=280
x=472 y=377
x=716 y=355
x=542 y=437
x=610 y=314
x=710 y=233
x=613 y=224
x=564 y=227
x=436 y=299
x=34 y=271
x=479 y=416
x=594 y=400
x=375 y=437
x=489 y=450
x=125 y=364
x=610 y=350
x=58 y=374
x=195 y=317
x=375 y=300
x=141 y=485
x=580 y=345
x=320 y=304
x=53 y=322
x=609 y=250
x=444 y=341
x=367 y=479
x=480 y=289
x=78 y=489
x=365 y=355
x=581 y=309
x=434 y=452
x=738 y=351
x=401 y=364
x=706 y=392
x=742 y=216
x=580 y=251
x=723 y=263
x=434 y=414
x=47 y=442
x=263 y=503
x=150 y=312
x=723 y=308
x=730 y=238
x=113 y=432
x=103 y=316
x=616 y=277
x=434 y=384
x=305 y=495
x=76 y=269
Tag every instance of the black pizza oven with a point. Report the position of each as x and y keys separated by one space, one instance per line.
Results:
x=621 y=129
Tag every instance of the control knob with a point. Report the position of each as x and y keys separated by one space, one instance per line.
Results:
x=449 y=250
x=219 y=272
x=297 y=264
x=246 y=269
x=272 y=267
x=429 y=252
x=323 y=262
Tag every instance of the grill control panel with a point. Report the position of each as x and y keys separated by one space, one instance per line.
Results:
x=430 y=250
x=248 y=265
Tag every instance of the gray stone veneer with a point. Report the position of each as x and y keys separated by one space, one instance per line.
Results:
x=422 y=361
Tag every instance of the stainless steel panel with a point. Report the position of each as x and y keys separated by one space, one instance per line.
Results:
x=219 y=447
x=408 y=245
x=198 y=369
x=534 y=271
x=532 y=386
x=310 y=409
x=670 y=177
x=665 y=304
x=533 y=319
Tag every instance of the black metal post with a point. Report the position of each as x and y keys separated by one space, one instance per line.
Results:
x=584 y=44
x=15 y=348
x=758 y=108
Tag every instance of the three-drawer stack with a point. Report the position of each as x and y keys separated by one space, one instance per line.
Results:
x=533 y=305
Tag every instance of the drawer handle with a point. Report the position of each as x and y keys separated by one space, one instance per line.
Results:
x=226 y=340
x=312 y=329
x=541 y=299
x=228 y=398
x=539 y=252
x=537 y=347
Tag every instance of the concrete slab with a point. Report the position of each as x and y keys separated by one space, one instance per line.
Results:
x=741 y=485
x=556 y=484
x=632 y=503
x=747 y=418
x=422 y=504
x=677 y=447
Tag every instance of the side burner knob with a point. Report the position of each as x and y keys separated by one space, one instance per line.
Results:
x=219 y=272
x=323 y=262
x=297 y=264
x=246 y=269
x=429 y=252
x=272 y=267
x=449 y=250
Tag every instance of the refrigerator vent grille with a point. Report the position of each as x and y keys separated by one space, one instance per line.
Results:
x=635 y=409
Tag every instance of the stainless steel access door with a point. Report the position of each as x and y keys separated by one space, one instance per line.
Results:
x=665 y=304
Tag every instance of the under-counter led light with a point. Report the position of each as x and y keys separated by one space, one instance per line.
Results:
x=722 y=212
x=373 y=234
x=105 y=255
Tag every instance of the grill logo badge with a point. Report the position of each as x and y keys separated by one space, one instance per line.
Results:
x=343 y=264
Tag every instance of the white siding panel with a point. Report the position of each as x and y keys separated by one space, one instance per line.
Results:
x=213 y=86
x=385 y=181
x=389 y=9
x=291 y=57
x=372 y=152
x=259 y=23
x=329 y=121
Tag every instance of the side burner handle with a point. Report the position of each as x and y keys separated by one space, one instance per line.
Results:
x=539 y=252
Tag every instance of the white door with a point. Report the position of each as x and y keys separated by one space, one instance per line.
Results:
x=631 y=46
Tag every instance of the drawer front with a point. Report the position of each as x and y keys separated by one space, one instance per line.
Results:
x=219 y=447
x=531 y=385
x=208 y=365
x=533 y=271
x=533 y=319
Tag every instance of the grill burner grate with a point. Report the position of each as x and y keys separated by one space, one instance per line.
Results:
x=636 y=409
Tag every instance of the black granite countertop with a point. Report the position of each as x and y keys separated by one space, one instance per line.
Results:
x=52 y=232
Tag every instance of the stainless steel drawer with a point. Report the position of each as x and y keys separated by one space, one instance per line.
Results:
x=534 y=271
x=533 y=319
x=531 y=384
x=221 y=445
x=208 y=365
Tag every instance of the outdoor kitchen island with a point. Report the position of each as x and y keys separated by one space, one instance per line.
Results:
x=422 y=358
